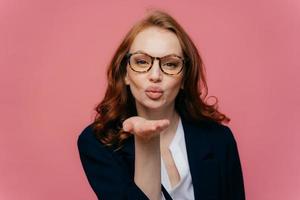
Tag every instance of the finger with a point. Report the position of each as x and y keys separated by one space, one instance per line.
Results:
x=127 y=126
x=162 y=124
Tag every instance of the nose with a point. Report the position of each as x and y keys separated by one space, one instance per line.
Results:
x=155 y=74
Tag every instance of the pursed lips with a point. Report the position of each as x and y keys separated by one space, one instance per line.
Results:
x=154 y=92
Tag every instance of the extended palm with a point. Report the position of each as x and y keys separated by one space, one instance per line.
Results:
x=143 y=128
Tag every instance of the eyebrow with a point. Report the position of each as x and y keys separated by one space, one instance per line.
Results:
x=173 y=54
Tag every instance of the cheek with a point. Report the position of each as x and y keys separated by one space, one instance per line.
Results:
x=175 y=84
x=136 y=84
x=174 y=88
x=134 y=81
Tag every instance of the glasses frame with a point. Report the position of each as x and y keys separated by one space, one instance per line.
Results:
x=128 y=56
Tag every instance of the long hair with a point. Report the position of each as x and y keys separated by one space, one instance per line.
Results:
x=118 y=103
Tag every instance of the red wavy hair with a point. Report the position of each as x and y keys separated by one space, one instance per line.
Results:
x=118 y=103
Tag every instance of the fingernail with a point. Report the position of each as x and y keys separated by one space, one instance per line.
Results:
x=125 y=128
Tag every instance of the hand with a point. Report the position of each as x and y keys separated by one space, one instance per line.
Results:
x=143 y=128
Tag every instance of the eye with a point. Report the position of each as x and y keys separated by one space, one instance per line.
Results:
x=171 y=64
x=139 y=61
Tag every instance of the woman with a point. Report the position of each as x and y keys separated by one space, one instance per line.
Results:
x=154 y=137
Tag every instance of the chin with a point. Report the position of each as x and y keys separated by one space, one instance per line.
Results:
x=154 y=105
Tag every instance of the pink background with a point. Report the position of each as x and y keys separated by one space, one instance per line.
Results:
x=53 y=56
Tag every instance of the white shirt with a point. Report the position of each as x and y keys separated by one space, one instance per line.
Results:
x=184 y=189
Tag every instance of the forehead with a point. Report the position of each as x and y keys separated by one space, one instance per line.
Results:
x=156 y=42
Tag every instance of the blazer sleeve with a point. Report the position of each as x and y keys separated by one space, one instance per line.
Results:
x=236 y=189
x=105 y=174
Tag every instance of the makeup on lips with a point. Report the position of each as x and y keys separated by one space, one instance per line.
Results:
x=154 y=92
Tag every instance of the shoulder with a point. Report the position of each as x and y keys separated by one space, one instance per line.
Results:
x=87 y=141
x=211 y=129
x=87 y=135
x=219 y=131
x=219 y=135
x=222 y=140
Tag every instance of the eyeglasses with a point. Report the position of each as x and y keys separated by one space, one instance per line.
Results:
x=142 y=62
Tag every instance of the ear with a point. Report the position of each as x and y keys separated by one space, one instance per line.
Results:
x=126 y=79
x=182 y=84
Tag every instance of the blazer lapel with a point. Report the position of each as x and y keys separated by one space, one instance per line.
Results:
x=203 y=166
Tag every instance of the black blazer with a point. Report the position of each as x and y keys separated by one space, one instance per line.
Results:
x=212 y=155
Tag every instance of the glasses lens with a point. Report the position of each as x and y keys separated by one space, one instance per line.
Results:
x=171 y=64
x=140 y=62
